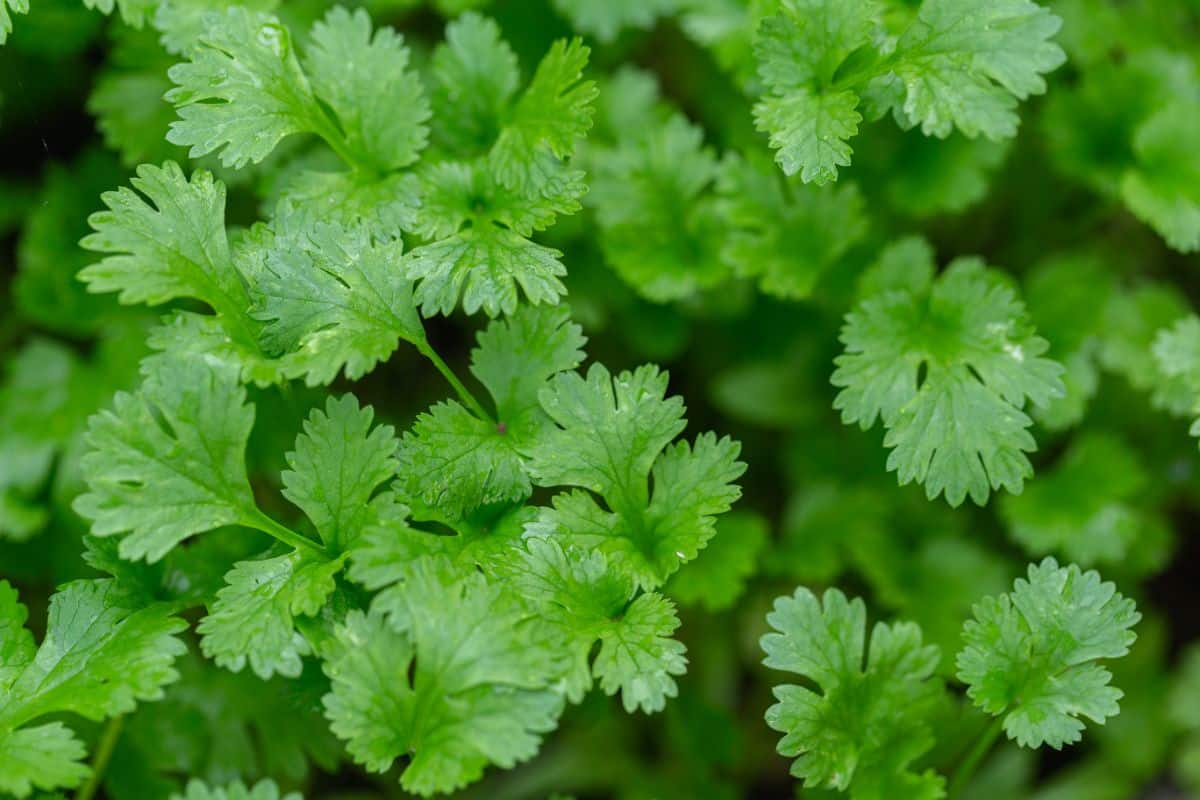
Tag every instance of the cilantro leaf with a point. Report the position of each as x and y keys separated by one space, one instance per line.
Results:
x=965 y=63
x=947 y=365
x=242 y=89
x=168 y=462
x=1030 y=654
x=955 y=64
x=7 y=7
x=172 y=244
x=553 y=113
x=338 y=464
x=100 y=656
x=871 y=718
x=332 y=299
x=379 y=102
x=252 y=620
x=579 y=594
x=475 y=75
x=480 y=249
x=508 y=177
x=464 y=652
x=611 y=437
x=263 y=790
x=809 y=119
x=336 y=468
x=1161 y=190
x=456 y=461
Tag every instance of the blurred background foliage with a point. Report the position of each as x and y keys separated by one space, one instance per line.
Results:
x=694 y=251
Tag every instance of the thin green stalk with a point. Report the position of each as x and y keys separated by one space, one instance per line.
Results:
x=325 y=128
x=463 y=393
x=967 y=768
x=100 y=759
x=261 y=522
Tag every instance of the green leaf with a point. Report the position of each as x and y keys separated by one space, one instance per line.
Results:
x=457 y=462
x=252 y=621
x=100 y=656
x=242 y=89
x=604 y=19
x=809 y=119
x=947 y=367
x=954 y=64
x=578 y=592
x=475 y=75
x=332 y=299
x=172 y=244
x=965 y=63
x=466 y=654
x=263 y=790
x=870 y=718
x=337 y=467
x=611 y=437
x=168 y=462
x=379 y=102
x=1030 y=655
x=167 y=245
x=42 y=757
x=553 y=114
x=480 y=249
x=7 y=7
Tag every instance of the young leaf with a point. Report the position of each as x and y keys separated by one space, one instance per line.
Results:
x=332 y=299
x=100 y=656
x=553 y=113
x=252 y=620
x=611 y=437
x=464 y=653
x=947 y=366
x=578 y=593
x=242 y=89
x=169 y=462
x=958 y=64
x=7 y=7
x=871 y=718
x=457 y=462
x=379 y=103
x=1030 y=655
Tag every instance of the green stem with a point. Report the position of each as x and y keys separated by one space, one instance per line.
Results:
x=463 y=393
x=327 y=130
x=100 y=759
x=261 y=522
x=967 y=768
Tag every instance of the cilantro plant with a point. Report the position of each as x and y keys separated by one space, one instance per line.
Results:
x=497 y=400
